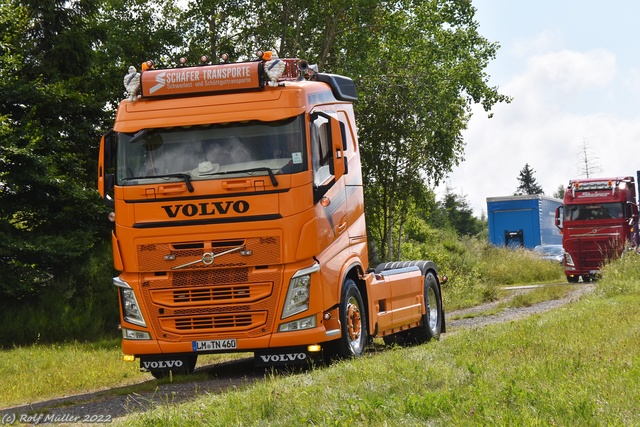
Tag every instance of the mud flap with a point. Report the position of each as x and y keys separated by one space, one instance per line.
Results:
x=286 y=357
x=177 y=363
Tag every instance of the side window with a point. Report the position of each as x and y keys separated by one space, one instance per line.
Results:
x=320 y=150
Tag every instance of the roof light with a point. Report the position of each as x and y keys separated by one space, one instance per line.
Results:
x=204 y=59
x=224 y=57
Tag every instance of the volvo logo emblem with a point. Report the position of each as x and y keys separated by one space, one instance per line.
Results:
x=208 y=258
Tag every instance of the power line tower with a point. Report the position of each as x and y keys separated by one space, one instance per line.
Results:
x=587 y=161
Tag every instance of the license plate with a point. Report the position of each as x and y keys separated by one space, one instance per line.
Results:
x=214 y=345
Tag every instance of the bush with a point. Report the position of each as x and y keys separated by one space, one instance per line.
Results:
x=79 y=307
x=621 y=276
x=475 y=268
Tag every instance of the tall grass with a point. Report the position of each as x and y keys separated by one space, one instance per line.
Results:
x=621 y=276
x=476 y=269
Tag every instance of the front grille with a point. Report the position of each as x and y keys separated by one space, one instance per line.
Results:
x=220 y=323
x=231 y=297
x=593 y=253
x=212 y=294
x=165 y=256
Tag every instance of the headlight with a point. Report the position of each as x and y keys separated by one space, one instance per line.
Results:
x=299 y=291
x=131 y=334
x=297 y=325
x=568 y=260
x=130 y=308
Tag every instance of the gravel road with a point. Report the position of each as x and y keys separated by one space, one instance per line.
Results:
x=105 y=405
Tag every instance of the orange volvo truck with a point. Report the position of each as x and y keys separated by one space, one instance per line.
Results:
x=239 y=221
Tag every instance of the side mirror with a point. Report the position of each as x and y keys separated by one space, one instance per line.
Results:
x=634 y=214
x=105 y=180
x=338 y=143
x=559 y=216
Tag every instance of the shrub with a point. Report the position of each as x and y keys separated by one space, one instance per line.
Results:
x=621 y=276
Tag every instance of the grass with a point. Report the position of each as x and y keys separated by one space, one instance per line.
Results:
x=39 y=372
x=577 y=365
x=521 y=299
x=477 y=270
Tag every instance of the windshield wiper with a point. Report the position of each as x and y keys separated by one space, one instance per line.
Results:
x=272 y=176
x=185 y=176
x=140 y=135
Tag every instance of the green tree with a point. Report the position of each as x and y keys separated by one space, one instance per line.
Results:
x=418 y=67
x=416 y=93
x=456 y=209
x=528 y=183
x=50 y=116
x=559 y=193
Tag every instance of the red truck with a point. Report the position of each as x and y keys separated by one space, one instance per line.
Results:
x=598 y=221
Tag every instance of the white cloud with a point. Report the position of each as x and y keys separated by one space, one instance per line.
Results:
x=556 y=108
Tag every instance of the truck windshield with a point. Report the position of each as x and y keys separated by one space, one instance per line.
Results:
x=211 y=151
x=593 y=211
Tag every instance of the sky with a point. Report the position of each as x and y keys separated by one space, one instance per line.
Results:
x=572 y=68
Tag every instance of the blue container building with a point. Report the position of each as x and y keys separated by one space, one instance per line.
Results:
x=523 y=221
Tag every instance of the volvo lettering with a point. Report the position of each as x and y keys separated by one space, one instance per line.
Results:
x=206 y=209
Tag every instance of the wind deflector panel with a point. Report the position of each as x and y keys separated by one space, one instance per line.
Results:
x=342 y=87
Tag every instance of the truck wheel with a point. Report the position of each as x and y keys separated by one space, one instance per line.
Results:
x=353 y=323
x=431 y=326
x=432 y=321
x=573 y=279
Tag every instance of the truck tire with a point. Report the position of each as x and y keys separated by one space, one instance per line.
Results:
x=353 y=322
x=432 y=321
x=573 y=279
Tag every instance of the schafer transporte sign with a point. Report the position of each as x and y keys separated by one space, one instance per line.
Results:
x=207 y=78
